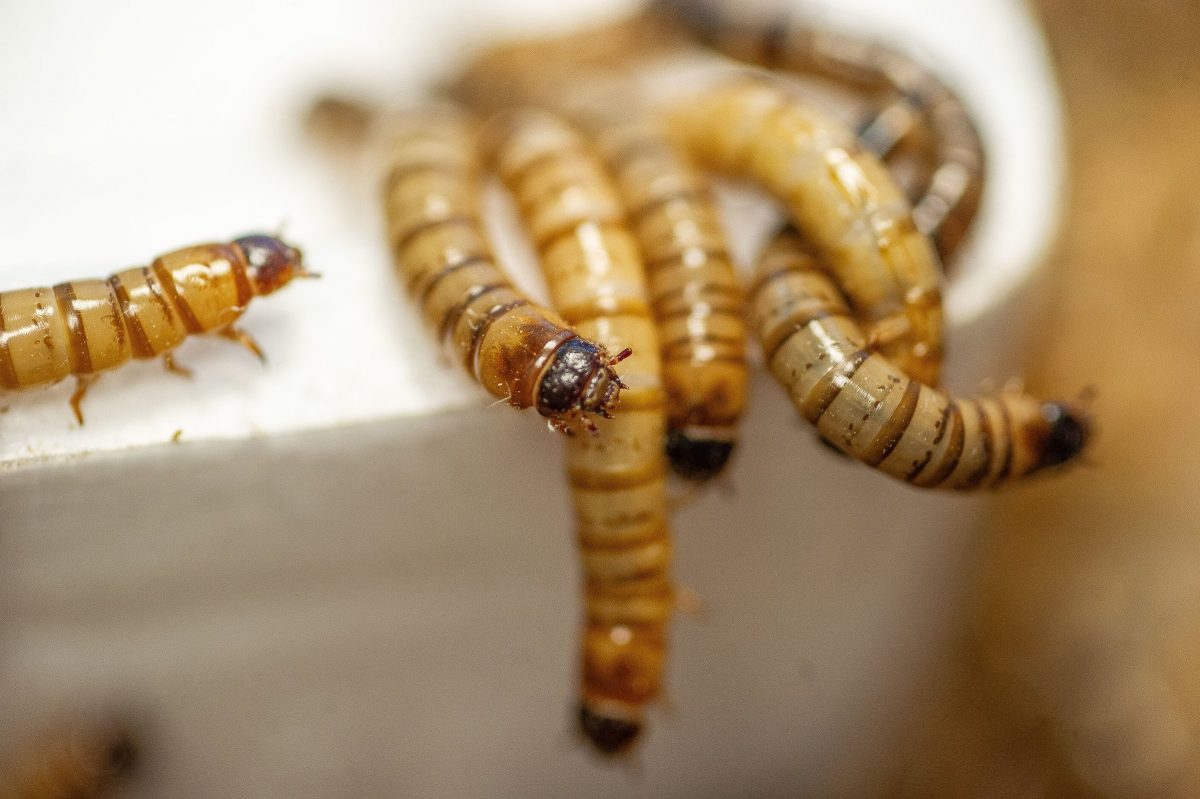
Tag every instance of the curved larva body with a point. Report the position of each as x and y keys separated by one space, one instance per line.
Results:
x=842 y=198
x=618 y=477
x=516 y=350
x=946 y=198
x=80 y=761
x=694 y=290
x=866 y=407
x=84 y=327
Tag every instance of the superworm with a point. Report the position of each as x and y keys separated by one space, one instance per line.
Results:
x=84 y=327
x=77 y=761
x=618 y=477
x=866 y=407
x=695 y=293
x=516 y=350
x=947 y=197
x=844 y=201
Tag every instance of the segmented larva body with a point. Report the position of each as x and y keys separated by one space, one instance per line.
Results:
x=618 y=477
x=842 y=198
x=866 y=407
x=518 y=351
x=78 y=761
x=84 y=327
x=946 y=198
x=694 y=290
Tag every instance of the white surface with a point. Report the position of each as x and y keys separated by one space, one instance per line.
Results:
x=381 y=600
x=137 y=127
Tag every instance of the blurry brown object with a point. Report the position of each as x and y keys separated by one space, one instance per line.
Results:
x=81 y=759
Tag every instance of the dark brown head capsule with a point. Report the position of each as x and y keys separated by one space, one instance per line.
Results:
x=1067 y=432
x=609 y=734
x=273 y=263
x=580 y=380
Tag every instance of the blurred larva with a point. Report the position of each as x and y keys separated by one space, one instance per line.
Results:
x=842 y=198
x=866 y=407
x=918 y=105
x=618 y=477
x=74 y=761
x=84 y=327
x=516 y=350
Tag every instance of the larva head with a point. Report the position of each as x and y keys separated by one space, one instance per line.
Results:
x=697 y=455
x=578 y=383
x=273 y=263
x=1067 y=431
x=609 y=733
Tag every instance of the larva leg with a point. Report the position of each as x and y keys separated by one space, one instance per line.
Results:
x=239 y=336
x=842 y=198
x=174 y=367
x=618 y=477
x=82 y=384
x=869 y=409
x=514 y=349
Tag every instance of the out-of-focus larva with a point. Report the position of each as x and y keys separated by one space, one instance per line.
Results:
x=84 y=327
x=618 y=477
x=844 y=201
x=695 y=292
x=915 y=101
x=517 y=351
x=71 y=761
x=866 y=407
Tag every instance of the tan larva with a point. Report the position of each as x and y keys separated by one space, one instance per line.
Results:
x=916 y=103
x=618 y=477
x=842 y=198
x=84 y=327
x=519 y=352
x=866 y=407
x=81 y=760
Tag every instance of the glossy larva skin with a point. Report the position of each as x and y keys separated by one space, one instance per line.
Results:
x=618 y=477
x=844 y=200
x=518 y=351
x=916 y=103
x=84 y=327
x=868 y=408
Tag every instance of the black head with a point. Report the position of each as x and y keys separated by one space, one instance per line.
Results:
x=122 y=754
x=696 y=456
x=1067 y=433
x=609 y=734
x=273 y=263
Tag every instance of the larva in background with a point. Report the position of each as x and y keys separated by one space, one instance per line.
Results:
x=618 y=477
x=916 y=104
x=868 y=408
x=695 y=293
x=84 y=327
x=844 y=200
x=519 y=352
x=81 y=760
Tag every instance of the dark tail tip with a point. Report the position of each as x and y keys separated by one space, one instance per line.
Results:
x=696 y=457
x=1067 y=435
x=610 y=735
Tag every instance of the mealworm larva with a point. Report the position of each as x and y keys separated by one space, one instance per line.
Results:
x=947 y=197
x=76 y=761
x=866 y=407
x=519 y=352
x=695 y=292
x=844 y=201
x=618 y=477
x=84 y=327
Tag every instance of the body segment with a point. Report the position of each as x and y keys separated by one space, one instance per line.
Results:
x=844 y=201
x=575 y=218
x=868 y=408
x=517 y=351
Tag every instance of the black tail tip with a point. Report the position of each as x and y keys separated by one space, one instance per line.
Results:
x=695 y=457
x=1067 y=435
x=609 y=734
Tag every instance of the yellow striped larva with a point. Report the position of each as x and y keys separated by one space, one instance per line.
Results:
x=524 y=354
x=84 y=327
x=866 y=407
x=618 y=477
